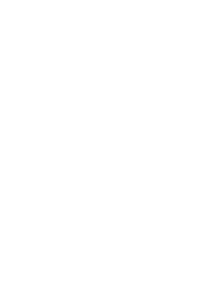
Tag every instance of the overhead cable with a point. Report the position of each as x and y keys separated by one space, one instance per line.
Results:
x=104 y=90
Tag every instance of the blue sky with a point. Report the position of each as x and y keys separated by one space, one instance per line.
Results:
x=109 y=42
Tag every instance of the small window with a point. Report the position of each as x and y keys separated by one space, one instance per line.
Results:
x=75 y=200
x=127 y=231
x=147 y=259
x=134 y=156
x=103 y=200
x=12 y=245
x=30 y=237
x=160 y=125
x=219 y=206
x=174 y=238
x=126 y=148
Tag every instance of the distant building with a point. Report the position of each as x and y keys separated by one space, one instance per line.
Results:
x=32 y=168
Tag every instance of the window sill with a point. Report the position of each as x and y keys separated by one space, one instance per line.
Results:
x=161 y=152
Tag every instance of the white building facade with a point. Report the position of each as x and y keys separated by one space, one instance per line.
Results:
x=33 y=172
x=81 y=212
x=173 y=163
x=152 y=133
x=203 y=209
x=113 y=205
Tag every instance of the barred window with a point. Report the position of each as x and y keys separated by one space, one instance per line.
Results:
x=174 y=238
x=160 y=125
x=219 y=213
x=126 y=142
x=75 y=200
x=147 y=256
x=134 y=156
x=103 y=200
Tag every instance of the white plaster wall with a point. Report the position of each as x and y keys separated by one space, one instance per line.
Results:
x=203 y=251
x=155 y=174
x=87 y=226
x=3 y=74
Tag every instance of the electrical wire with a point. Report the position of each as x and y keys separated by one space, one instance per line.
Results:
x=112 y=104
x=103 y=90
x=203 y=85
x=82 y=156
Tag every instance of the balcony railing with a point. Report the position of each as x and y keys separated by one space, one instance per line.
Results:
x=53 y=175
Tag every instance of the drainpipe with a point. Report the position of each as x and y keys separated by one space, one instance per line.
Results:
x=178 y=47
x=23 y=33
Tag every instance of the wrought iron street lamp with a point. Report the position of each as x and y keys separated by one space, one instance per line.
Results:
x=49 y=40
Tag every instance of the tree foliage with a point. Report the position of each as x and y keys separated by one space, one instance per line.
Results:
x=81 y=121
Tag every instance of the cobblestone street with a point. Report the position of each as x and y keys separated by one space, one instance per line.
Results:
x=80 y=276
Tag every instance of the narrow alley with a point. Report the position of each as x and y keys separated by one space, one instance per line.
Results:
x=87 y=276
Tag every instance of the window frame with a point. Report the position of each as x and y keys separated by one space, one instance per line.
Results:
x=160 y=125
x=219 y=200
x=174 y=242
x=147 y=243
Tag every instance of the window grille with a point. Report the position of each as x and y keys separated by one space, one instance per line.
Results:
x=219 y=213
x=103 y=200
x=12 y=245
x=134 y=156
x=174 y=238
x=30 y=224
x=127 y=231
x=147 y=258
x=75 y=200
x=119 y=185
x=126 y=141
x=53 y=175
x=160 y=125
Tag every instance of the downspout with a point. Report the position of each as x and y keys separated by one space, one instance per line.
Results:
x=178 y=48
x=23 y=33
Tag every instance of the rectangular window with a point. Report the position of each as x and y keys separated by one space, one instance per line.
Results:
x=127 y=230
x=219 y=216
x=147 y=259
x=12 y=244
x=160 y=125
x=69 y=227
x=174 y=238
x=66 y=198
x=134 y=156
x=30 y=225
x=126 y=142
x=41 y=240
x=75 y=200
x=103 y=200
x=52 y=240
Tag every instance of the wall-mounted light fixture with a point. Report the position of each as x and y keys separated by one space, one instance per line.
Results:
x=49 y=40
x=118 y=175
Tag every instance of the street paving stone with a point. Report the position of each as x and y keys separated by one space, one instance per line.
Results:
x=85 y=276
